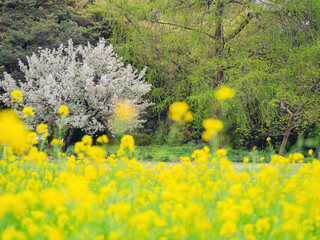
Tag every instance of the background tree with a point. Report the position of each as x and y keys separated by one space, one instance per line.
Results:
x=280 y=91
x=91 y=81
x=29 y=24
x=191 y=47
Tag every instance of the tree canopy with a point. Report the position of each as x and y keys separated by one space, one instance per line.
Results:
x=261 y=48
x=27 y=25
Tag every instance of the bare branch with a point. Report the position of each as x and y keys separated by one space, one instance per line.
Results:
x=180 y=26
x=180 y=66
x=129 y=19
x=315 y=85
x=241 y=27
x=285 y=108
x=258 y=53
x=237 y=1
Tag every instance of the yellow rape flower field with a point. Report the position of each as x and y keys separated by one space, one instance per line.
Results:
x=90 y=195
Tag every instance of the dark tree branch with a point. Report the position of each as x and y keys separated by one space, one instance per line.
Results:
x=180 y=66
x=173 y=61
x=241 y=27
x=286 y=109
x=238 y=2
x=180 y=26
x=315 y=85
x=258 y=53
x=129 y=19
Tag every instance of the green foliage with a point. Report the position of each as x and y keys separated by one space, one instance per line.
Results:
x=159 y=153
x=191 y=47
x=27 y=25
x=267 y=52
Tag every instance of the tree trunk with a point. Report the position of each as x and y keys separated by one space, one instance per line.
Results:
x=219 y=44
x=68 y=139
x=286 y=136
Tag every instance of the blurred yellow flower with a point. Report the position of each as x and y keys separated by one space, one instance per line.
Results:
x=33 y=138
x=127 y=141
x=13 y=131
x=211 y=126
x=178 y=111
x=262 y=225
x=224 y=93
x=63 y=110
x=12 y=233
x=71 y=162
x=91 y=172
x=248 y=229
x=297 y=157
x=268 y=139
x=103 y=139
x=16 y=95
x=310 y=152
x=228 y=228
x=221 y=152
x=114 y=235
x=120 y=175
x=246 y=160
x=125 y=110
x=96 y=153
x=28 y=111
x=42 y=128
x=56 y=141
x=188 y=117
x=87 y=140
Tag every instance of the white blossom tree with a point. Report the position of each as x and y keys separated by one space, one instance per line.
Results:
x=89 y=80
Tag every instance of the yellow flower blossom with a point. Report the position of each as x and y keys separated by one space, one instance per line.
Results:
x=212 y=126
x=224 y=93
x=103 y=139
x=248 y=229
x=16 y=95
x=87 y=140
x=71 y=162
x=203 y=197
x=114 y=235
x=13 y=131
x=120 y=175
x=55 y=141
x=221 y=152
x=188 y=116
x=28 y=111
x=42 y=128
x=33 y=138
x=228 y=228
x=63 y=110
x=125 y=110
x=263 y=225
x=11 y=233
x=127 y=141
x=296 y=157
x=91 y=172
x=178 y=111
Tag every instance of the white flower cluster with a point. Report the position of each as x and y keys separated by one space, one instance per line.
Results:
x=89 y=80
